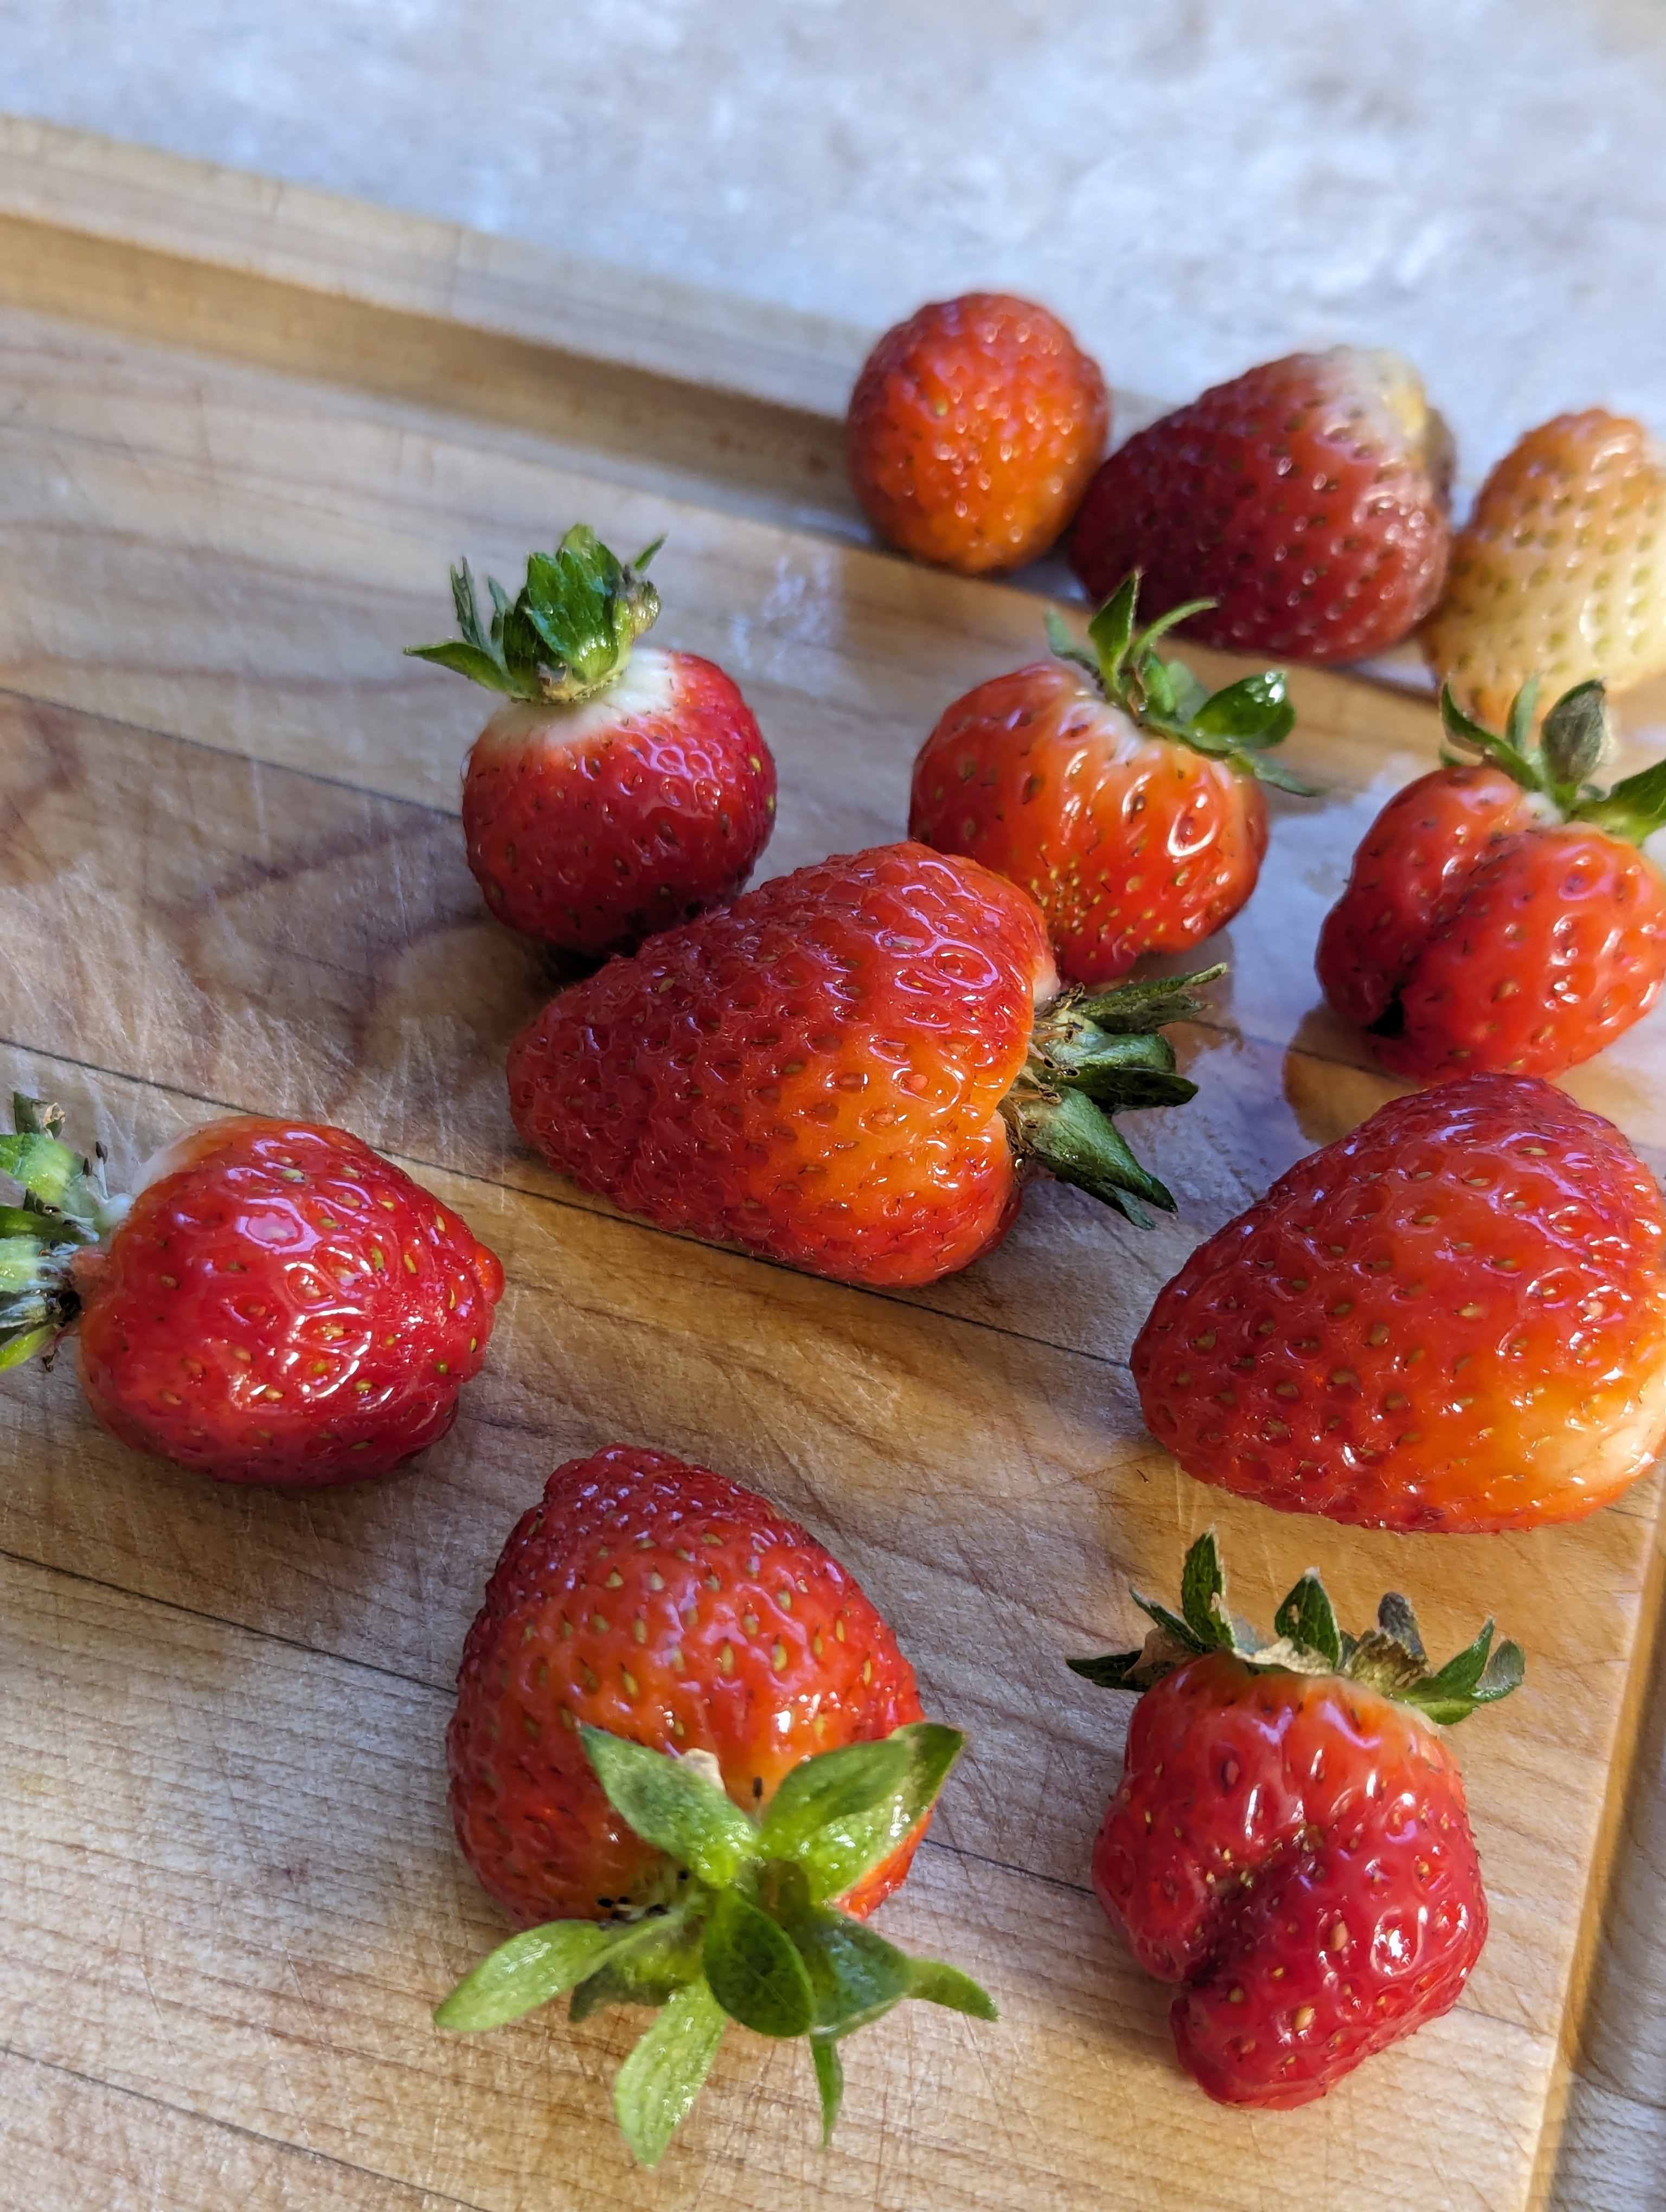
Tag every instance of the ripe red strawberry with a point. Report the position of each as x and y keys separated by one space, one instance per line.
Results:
x=1306 y=499
x=677 y=1716
x=973 y=430
x=1558 y=574
x=1453 y=1319
x=621 y=791
x=847 y=1069
x=1290 y=1840
x=1123 y=798
x=1500 y=915
x=277 y=1303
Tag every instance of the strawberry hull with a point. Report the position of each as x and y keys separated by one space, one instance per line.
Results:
x=592 y=825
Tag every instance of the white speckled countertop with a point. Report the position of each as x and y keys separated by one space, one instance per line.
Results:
x=1197 y=186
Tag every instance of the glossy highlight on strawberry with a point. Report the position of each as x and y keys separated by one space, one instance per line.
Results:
x=1453 y=1319
x=277 y=1305
x=846 y=1070
x=1290 y=1840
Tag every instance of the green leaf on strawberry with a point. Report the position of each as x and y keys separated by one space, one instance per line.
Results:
x=64 y=1207
x=1557 y=766
x=1306 y=1640
x=753 y=1938
x=1238 y=723
x=567 y=633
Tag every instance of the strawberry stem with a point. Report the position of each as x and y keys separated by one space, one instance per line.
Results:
x=754 y=1936
x=64 y=1207
x=1557 y=766
x=1239 y=724
x=1091 y=1056
x=1306 y=1640
x=569 y=632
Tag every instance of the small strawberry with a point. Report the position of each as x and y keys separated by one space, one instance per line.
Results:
x=276 y=1304
x=683 y=1730
x=1290 y=1840
x=621 y=791
x=847 y=1069
x=1306 y=500
x=1453 y=1319
x=1499 y=915
x=1558 y=572
x=973 y=430
x=1123 y=798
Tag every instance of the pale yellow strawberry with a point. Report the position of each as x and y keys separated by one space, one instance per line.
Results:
x=1561 y=572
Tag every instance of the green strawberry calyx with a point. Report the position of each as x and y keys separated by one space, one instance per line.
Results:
x=1239 y=725
x=1306 y=1640
x=567 y=633
x=1556 y=764
x=1092 y=1055
x=753 y=1935
x=64 y=1208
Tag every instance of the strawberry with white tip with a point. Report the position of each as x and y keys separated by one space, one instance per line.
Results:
x=624 y=787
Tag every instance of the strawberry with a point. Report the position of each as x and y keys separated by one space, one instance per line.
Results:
x=683 y=1730
x=276 y=1305
x=1306 y=500
x=1499 y=915
x=1290 y=1841
x=1558 y=574
x=1116 y=791
x=846 y=1071
x=1453 y=1319
x=973 y=430
x=620 y=791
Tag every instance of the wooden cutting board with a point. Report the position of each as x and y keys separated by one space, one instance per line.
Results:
x=242 y=431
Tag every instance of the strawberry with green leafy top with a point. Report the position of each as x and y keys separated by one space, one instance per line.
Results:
x=687 y=1745
x=1290 y=1841
x=1501 y=914
x=624 y=787
x=1123 y=797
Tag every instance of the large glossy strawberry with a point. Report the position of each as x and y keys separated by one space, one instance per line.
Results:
x=1453 y=1319
x=973 y=430
x=847 y=1071
x=1558 y=572
x=624 y=787
x=277 y=1303
x=1290 y=1841
x=1306 y=500
x=1500 y=915
x=1123 y=798
x=690 y=1758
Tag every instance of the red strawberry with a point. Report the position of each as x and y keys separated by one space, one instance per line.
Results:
x=1290 y=1839
x=1453 y=1319
x=973 y=430
x=1123 y=798
x=1306 y=499
x=277 y=1304
x=621 y=791
x=1558 y=572
x=1501 y=915
x=846 y=1070
x=678 y=1715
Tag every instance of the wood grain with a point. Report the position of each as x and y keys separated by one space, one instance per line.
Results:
x=230 y=875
